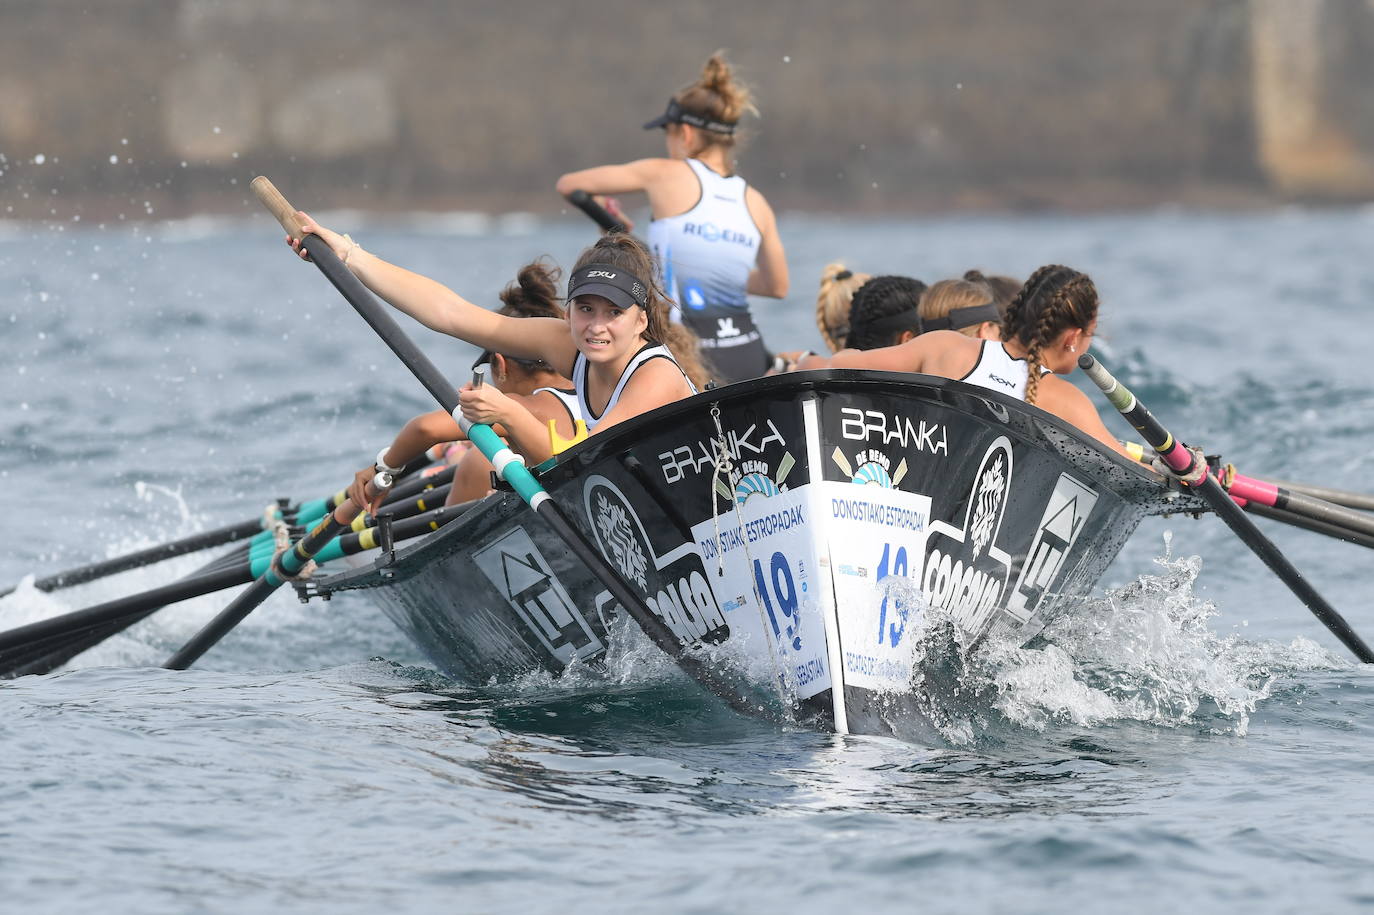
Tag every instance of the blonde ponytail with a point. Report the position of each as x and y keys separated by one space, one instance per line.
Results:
x=838 y=285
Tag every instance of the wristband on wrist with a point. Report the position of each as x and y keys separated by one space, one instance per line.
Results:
x=352 y=246
x=383 y=466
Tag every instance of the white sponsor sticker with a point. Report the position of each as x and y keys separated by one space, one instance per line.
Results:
x=1069 y=506
x=514 y=565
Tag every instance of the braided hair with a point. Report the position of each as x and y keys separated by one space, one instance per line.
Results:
x=1054 y=299
x=879 y=306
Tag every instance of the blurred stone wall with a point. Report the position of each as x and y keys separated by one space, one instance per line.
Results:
x=171 y=106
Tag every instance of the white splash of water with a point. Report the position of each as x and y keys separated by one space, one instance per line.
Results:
x=146 y=491
x=1144 y=653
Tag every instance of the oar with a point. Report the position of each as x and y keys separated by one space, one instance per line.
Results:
x=221 y=535
x=1187 y=465
x=1319 y=527
x=41 y=655
x=40 y=647
x=1280 y=503
x=130 y=609
x=1259 y=492
x=508 y=466
x=277 y=574
x=1335 y=496
x=598 y=214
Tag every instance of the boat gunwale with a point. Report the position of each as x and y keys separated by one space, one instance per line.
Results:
x=594 y=449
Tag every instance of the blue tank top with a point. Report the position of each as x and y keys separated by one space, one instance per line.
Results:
x=707 y=253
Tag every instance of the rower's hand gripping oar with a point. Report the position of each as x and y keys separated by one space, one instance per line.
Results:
x=596 y=212
x=1191 y=468
x=508 y=465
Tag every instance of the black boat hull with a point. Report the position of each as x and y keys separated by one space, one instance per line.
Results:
x=813 y=524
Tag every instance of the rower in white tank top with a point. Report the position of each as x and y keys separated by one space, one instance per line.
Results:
x=568 y=398
x=705 y=256
x=997 y=370
x=579 y=378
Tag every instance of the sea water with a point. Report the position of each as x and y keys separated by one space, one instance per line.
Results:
x=1191 y=739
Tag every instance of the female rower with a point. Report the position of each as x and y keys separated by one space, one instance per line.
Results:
x=616 y=343
x=715 y=237
x=1051 y=320
x=533 y=383
x=833 y=302
x=884 y=312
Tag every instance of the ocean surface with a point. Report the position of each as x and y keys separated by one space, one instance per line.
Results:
x=1194 y=740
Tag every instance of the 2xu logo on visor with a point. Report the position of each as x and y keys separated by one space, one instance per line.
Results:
x=619 y=286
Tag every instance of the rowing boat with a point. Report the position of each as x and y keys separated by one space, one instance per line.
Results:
x=810 y=525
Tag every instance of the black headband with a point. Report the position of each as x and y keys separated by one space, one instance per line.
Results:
x=622 y=287
x=676 y=115
x=909 y=319
x=963 y=317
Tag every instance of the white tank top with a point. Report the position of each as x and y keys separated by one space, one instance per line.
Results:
x=706 y=254
x=996 y=370
x=579 y=379
x=569 y=400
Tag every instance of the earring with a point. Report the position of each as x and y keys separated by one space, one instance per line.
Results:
x=1073 y=349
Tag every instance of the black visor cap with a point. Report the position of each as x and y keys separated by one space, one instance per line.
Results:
x=621 y=287
x=676 y=115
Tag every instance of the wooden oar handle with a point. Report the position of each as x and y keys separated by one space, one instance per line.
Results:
x=276 y=204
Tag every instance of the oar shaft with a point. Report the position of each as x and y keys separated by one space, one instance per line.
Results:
x=1297 y=503
x=358 y=295
x=101 y=613
x=596 y=212
x=1340 y=497
x=227 y=534
x=292 y=561
x=45 y=655
x=1183 y=462
x=1270 y=555
x=1306 y=523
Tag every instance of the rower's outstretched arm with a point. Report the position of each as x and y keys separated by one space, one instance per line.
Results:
x=440 y=308
x=611 y=179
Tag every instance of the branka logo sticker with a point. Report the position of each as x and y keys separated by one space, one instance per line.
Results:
x=872 y=468
x=674 y=584
x=964 y=570
x=751 y=478
x=1069 y=506
x=514 y=565
x=701 y=456
x=865 y=425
